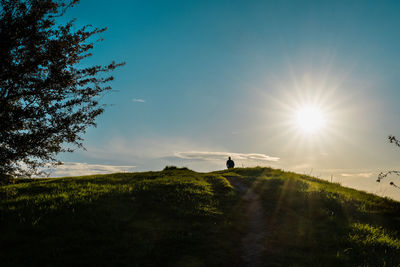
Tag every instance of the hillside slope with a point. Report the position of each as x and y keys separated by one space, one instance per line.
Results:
x=177 y=217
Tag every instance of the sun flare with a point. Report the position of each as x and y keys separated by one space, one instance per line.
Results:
x=310 y=119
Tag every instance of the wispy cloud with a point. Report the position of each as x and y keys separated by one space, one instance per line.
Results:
x=209 y=155
x=154 y=152
x=82 y=168
x=138 y=100
x=362 y=174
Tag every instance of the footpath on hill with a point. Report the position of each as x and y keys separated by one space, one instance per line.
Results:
x=253 y=241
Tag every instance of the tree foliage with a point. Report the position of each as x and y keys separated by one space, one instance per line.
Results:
x=47 y=99
x=382 y=175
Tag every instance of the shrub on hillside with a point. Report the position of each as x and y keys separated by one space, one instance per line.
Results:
x=169 y=168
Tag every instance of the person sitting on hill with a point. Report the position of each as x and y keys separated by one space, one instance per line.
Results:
x=230 y=164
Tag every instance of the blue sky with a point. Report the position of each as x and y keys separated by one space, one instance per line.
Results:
x=204 y=79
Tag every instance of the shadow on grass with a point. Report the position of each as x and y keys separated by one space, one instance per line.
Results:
x=173 y=218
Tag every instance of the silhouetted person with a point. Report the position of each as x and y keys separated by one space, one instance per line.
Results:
x=230 y=164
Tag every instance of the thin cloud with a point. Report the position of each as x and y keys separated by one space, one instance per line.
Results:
x=209 y=155
x=82 y=168
x=138 y=100
x=362 y=174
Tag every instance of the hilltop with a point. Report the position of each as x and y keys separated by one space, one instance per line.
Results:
x=178 y=217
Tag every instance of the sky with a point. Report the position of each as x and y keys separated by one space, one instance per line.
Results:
x=205 y=80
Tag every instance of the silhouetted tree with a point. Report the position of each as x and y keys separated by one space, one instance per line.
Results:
x=47 y=100
x=382 y=175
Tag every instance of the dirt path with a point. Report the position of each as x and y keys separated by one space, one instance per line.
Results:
x=253 y=241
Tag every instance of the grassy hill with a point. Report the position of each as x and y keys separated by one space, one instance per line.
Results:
x=178 y=217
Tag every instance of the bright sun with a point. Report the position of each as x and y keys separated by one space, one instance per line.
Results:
x=310 y=119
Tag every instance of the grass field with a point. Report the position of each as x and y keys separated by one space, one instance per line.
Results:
x=178 y=217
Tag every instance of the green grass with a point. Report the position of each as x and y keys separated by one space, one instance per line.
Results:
x=178 y=217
